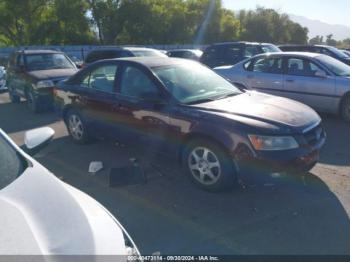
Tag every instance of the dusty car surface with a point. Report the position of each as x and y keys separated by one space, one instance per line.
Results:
x=319 y=81
x=41 y=215
x=184 y=109
x=33 y=73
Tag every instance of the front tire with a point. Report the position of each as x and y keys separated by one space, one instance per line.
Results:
x=345 y=109
x=76 y=127
x=209 y=166
x=32 y=102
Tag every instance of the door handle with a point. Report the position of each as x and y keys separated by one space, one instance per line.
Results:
x=290 y=80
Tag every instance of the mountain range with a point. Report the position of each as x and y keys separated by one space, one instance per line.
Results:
x=317 y=27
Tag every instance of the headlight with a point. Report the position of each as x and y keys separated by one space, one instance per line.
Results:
x=272 y=143
x=44 y=84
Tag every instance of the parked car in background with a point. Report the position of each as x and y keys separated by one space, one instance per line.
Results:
x=347 y=52
x=2 y=78
x=193 y=54
x=319 y=81
x=320 y=49
x=31 y=74
x=42 y=215
x=78 y=62
x=118 y=52
x=183 y=109
x=233 y=52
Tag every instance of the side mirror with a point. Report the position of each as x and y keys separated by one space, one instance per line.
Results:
x=321 y=74
x=37 y=139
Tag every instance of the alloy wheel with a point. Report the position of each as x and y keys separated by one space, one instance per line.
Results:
x=204 y=165
x=76 y=127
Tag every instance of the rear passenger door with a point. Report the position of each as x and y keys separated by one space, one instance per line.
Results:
x=266 y=75
x=94 y=97
x=302 y=84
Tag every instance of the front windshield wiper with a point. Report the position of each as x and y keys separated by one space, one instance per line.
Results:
x=227 y=95
x=199 y=101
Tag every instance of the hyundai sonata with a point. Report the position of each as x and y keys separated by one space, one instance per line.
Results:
x=181 y=108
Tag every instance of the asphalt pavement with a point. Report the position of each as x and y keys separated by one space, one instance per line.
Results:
x=168 y=214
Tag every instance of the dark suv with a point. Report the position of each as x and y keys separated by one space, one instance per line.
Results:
x=32 y=74
x=233 y=52
x=321 y=49
x=119 y=52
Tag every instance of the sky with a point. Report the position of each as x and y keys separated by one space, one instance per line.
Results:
x=329 y=11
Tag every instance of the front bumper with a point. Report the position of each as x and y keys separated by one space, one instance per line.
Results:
x=301 y=159
x=44 y=97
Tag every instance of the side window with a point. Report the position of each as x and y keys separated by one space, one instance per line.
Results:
x=101 y=78
x=136 y=83
x=268 y=65
x=211 y=53
x=232 y=53
x=301 y=67
x=250 y=51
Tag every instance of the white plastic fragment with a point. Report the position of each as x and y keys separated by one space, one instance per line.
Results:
x=95 y=166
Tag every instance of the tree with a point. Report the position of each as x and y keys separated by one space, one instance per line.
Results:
x=317 y=40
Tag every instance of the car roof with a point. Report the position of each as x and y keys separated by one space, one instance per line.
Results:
x=301 y=54
x=38 y=51
x=183 y=49
x=296 y=45
x=241 y=42
x=152 y=62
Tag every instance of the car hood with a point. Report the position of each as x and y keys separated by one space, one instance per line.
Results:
x=41 y=215
x=253 y=107
x=52 y=74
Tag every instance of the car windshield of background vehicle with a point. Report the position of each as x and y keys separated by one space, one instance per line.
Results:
x=11 y=163
x=47 y=62
x=270 y=48
x=190 y=83
x=334 y=65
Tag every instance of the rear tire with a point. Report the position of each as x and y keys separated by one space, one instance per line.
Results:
x=208 y=165
x=345 y=108
x=76 y=127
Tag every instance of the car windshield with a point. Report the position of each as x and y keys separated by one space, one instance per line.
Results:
x=149 y=53
x=334 y=65
x=337 y=52
x=47 y=62
x=270 y=48
x=11 y=163
x=193 y=83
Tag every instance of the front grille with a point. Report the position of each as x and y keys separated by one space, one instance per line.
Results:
x=314 y=135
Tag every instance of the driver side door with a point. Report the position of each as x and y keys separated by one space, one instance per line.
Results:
x=141 y=109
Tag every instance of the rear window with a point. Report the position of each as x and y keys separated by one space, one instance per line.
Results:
x=106 y=54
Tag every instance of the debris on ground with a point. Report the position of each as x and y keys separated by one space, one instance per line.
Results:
x=95 y=167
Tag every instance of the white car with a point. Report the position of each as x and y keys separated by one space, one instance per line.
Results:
x=41 y=215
